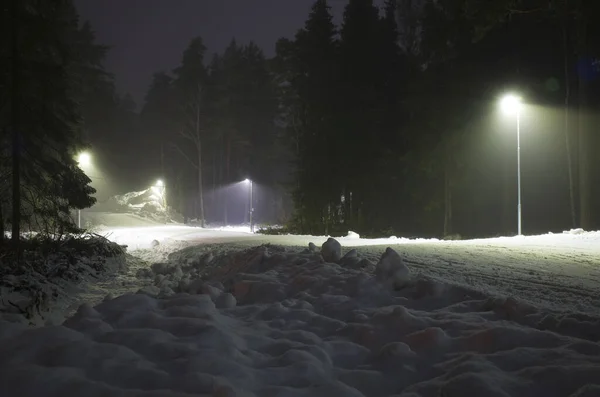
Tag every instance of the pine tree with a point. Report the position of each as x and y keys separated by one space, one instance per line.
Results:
x=364 y=53
x=310 y=65
x=46 y=84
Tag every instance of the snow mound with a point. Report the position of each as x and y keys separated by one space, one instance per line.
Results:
x=271 y=321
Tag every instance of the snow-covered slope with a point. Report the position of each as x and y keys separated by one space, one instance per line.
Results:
x=148 y=204
x=284 y=322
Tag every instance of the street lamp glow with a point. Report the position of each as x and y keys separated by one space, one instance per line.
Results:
x=160 y=183
x=511 y=104
x=249 y=182
x=84 y=159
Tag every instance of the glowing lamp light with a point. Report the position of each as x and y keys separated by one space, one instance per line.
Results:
x=84 y=159
x=159 y=183
x=511 y=104
x=246 y=180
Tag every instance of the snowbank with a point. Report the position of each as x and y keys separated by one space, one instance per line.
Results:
x=277 y=322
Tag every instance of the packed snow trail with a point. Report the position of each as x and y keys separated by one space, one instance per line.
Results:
x=557 y=271
x=283 y=322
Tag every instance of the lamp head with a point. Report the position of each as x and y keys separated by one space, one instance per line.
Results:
x=511 y=104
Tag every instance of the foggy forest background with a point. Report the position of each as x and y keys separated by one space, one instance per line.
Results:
x=386 y=125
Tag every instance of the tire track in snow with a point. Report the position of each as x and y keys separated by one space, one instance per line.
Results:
x=539 y=274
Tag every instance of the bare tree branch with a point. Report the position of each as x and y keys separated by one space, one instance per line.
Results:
x=189 y=135
x=185 y=156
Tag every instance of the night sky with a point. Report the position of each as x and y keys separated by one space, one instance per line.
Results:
x=150 y=35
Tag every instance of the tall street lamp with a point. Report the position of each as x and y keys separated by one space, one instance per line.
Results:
x=511 y=104
x=249 y=182
x=84 y=159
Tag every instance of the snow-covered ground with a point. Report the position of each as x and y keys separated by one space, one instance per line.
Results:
x=556 y=271
x=219 y=316
x=276 y=321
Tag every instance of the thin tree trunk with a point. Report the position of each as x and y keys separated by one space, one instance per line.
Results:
x=567 y=116
x=2 y=230
x=200 y=191
x=227 y=180
x=448 y=196
x=583 y=127
x=15 y=122
x=213 y=194
x=199 y=148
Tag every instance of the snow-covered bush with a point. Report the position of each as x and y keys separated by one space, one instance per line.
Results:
x=47 y=267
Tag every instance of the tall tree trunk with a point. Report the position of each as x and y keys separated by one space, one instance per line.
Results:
x=199 y=148
x=200 y=190
x=448 y=196
x=15 y=123
x=227 y=180
x=565 y=28
x=2 y=230
x=213 y=194
x=585 y=216
x=182 y=200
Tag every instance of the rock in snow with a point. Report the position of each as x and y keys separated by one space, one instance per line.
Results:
x=331 y=250
x=391 y=270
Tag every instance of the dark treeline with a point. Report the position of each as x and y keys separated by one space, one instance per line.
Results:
x=393 y=117
x=389 y=123
x=386 y=124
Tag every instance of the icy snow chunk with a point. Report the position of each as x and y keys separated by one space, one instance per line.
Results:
x=353 y=235
x=226 y=301
x=178 y=273
x=351 y=254
x=391 y=270
x=144 y=273
x=351 y=259
x=396 y=349
x=160 y=268
x=150 y=290
x=574 y=231
x=331 y=250
x=211 y=291
x=154 y=243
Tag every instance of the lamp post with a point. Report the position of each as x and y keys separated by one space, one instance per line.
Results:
x=84 y=159
x=511 y=104
x=249 y=182
x=163 y=193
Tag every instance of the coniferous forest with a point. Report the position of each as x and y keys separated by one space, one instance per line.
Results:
x=387 y=124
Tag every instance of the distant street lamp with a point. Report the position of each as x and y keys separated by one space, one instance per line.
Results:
x=162 y=192
x=84 y=160
x=249 y=182
x=511 y=104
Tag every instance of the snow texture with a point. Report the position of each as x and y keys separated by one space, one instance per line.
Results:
x=272 y=321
